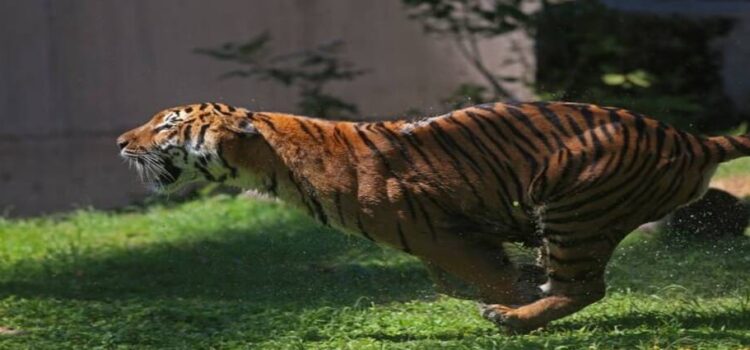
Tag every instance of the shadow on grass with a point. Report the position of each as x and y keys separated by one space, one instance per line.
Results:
x=725 y=320
x=313 y=267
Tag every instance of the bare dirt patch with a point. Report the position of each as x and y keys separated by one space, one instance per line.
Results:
x=738 y=185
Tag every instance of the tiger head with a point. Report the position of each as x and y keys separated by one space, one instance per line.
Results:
x=193 y=143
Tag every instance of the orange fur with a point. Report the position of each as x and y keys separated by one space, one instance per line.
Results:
x=570 y=179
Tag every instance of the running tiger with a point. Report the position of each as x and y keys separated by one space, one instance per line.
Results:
x=569 y=179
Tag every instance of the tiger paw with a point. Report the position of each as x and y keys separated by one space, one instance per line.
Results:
x=504 y=317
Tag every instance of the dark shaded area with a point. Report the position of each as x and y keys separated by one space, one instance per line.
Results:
x=663 y=66
x=236 y=265
x=725 y=320
x=717 y=215
x=257 y=282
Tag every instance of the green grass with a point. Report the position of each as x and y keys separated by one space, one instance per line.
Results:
x=738 y=167
x=226 y=272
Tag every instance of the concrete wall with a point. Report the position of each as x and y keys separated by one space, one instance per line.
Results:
x=76 y=73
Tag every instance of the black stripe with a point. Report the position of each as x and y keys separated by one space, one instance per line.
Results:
x=481 y=127
x=220 y=154
x=395 y=142
x=181 y=150
x=319 y=211
x=301 y=193
x=598 y=148
x=513 y=130
x=576 y=129
x=576 y=206
x=479 y=121
x=722 y=153
x=204 y=171
x=688 y=141
x=306 y=129
x=186 y=133
x=457 y=166
x=470 y=136
x=660 y=138
x=340 y=135
x=526 y=155
x=640 y=127
x=339 y=211
x=738 y=145
x=483 y=148
x=567 y=169
x=361 y=228
x=274 y=186
x=376 y=151
x=416 y=145
x=604 y=127
x=706 y=154
x=402 y=238
x=201 y=136
x=266 y=119
x=675 y=185
x=645 y=195
x=160 y=128
x=588 y=117
x=582 y=216
x=452 y=144
x=552 y=118
x=427 y=219
x=525 y=120
x=319 y=130
x=517 y=183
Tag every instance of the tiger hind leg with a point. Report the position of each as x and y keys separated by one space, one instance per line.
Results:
x=575 y=273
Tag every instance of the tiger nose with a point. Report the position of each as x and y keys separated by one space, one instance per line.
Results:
x=122 y=142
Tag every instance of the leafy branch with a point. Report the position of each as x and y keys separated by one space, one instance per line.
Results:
x=310 y=71
x=466 y=22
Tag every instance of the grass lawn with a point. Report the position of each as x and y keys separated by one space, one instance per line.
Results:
x=226 y=272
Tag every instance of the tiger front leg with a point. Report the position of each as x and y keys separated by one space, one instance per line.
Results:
x=450 y=285
x=486 y=268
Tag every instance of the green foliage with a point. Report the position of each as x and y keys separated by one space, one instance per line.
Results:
x=658 y=65
x=466 y=95
x=465 y=22
x=234 y=273
x=483 y=18
x=308 y=70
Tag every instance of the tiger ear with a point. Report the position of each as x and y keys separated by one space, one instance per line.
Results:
x=241 y=125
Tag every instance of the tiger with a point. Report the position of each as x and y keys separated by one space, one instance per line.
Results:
x=570 y=180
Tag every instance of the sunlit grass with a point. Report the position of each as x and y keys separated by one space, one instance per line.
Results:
x=737 y=167
x=225 y=272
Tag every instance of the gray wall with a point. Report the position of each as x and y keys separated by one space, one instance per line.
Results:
x=76 y=73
